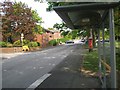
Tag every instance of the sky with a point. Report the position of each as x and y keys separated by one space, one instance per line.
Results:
x=49 y=18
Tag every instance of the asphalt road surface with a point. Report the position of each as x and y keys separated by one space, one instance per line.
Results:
x=23 y=70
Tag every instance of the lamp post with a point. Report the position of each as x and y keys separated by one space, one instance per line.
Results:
x=22 y=36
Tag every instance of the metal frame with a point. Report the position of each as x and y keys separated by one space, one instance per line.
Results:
x=108 y=11
x=112 y=49
x=104 y=68
x=112 y=53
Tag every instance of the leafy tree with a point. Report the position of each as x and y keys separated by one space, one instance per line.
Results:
x=50 y=28
x=60 y=27
x=38 y=29
x=57 y=26
x=6 y=23
x=64 y=33
x=39 y=1
x=36 y=17
x=19 y=18
x=117 y=22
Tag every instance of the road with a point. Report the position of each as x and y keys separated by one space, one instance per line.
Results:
x=23 y=70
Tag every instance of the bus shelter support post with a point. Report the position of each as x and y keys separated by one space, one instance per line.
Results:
x=112 y=49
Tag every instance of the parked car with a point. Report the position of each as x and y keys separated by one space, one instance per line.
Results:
x=68 y=42
x=101 y=41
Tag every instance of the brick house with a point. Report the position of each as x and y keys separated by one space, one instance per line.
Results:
x=49 y=35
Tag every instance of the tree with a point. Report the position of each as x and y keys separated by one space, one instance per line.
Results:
x=60 y=27
x=64 y=33
x=22 y=18
x=50 y=28
x=6 y=23
x=117 y=22
x=36 y=17
x=19 y=18
x=38 y=29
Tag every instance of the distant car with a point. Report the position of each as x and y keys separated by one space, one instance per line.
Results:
x=82 y=40
x=102 y=41
x=69 y=42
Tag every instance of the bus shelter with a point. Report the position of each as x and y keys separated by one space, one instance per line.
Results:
x=97 y=16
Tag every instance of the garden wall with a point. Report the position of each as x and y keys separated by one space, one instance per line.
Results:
x=11 y=50
x=17 y=49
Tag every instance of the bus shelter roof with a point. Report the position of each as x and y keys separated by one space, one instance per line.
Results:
x=84 y=14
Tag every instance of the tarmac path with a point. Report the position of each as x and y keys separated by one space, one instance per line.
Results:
x=23 y=70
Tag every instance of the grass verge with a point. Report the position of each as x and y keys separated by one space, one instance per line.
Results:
x=91 y=61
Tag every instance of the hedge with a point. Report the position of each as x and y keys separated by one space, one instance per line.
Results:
x=18 y=43
x=33 y=44
x=53 y=42
x=3 y=44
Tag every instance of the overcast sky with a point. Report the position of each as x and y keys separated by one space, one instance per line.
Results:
x=49 y=18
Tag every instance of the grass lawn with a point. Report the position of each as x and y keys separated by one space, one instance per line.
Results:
x=118 y=58
x=117 y=44
x=118 y=55
x=91 y=61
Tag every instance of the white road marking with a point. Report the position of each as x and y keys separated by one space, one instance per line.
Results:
x=38 y=82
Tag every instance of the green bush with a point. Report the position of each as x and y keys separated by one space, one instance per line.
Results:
x=33 y=44
x=3 y=44
x=38 y=43
x=26 y=42
x=9 y=44
x=53 y=42
x=18 y=43
x=63 y=40
x=118 y=59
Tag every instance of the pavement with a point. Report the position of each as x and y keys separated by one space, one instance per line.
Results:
x=10 y=55
x=68 y=74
